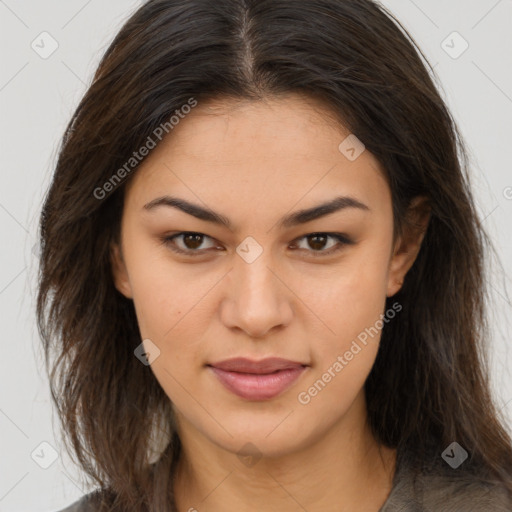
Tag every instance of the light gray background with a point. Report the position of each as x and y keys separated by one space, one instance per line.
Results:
x=37 y=98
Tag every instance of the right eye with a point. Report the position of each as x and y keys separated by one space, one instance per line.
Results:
x=187 y=242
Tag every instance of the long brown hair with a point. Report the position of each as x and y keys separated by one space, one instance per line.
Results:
x=429 y=384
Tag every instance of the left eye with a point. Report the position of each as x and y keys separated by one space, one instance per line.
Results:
x=322 y=243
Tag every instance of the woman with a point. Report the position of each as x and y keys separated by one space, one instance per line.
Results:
x=262 y=274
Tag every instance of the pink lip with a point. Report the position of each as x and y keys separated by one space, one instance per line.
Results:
x=257 y=380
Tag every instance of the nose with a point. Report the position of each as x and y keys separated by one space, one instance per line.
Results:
x=256 y=300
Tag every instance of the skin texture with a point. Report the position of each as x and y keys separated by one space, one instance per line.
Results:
x=254 y=163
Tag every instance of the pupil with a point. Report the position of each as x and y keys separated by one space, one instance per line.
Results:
x=194 y=239
x=317 y=241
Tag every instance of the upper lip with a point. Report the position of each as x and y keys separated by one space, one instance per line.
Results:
x=263 y=366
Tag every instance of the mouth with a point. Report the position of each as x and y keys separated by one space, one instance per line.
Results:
x=257 y=380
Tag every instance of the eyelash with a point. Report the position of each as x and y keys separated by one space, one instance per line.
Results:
x=342 y=240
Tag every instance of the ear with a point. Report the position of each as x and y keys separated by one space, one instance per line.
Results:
x=408 y=244
x=119 y=272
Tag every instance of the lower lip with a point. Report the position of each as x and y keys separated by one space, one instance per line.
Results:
x=258 y=386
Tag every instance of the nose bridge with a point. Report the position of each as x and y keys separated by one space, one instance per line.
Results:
x=254 y=280
x=258 y=299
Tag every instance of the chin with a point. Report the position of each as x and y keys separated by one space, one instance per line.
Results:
x=271 y=438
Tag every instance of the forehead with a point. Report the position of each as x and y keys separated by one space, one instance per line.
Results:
x=259 y=151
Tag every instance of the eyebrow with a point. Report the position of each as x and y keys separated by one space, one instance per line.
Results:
x=296 y=218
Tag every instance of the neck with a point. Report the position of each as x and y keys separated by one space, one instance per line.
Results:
x=343 y=470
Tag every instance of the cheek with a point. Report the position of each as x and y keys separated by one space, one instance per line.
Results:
x=344 y=350
x=352 y=296
x=350 y=304
x=169 y=301
x=170 y=307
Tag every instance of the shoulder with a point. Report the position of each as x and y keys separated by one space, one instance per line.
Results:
x=428 y=484
x=468 y=493
x=434 y=491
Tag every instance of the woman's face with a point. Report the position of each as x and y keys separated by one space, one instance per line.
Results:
x=255 y=281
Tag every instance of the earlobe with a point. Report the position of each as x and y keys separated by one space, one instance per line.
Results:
x=408 y=244
x=119 y=272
